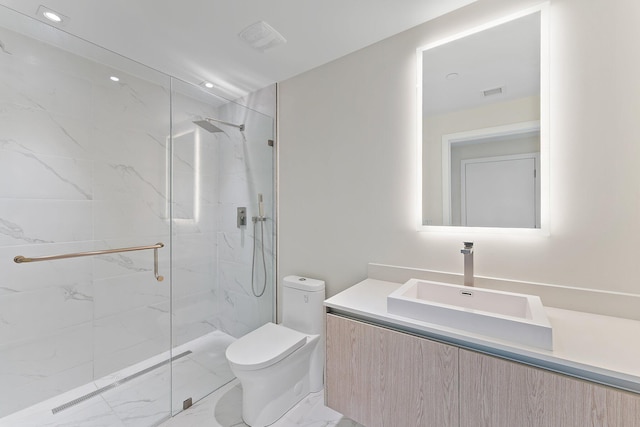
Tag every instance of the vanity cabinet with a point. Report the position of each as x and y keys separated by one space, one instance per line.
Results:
x=498 y=392
x=380 y=377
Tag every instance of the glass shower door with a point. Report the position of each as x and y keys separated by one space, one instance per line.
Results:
x=222 y=163
x=132 y=323
x=82 y=168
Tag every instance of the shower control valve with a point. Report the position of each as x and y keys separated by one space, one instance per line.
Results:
x=241 y=217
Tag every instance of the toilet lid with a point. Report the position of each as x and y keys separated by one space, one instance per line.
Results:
x=265 y=346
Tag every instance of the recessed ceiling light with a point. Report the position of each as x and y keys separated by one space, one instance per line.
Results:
x=207 y=84
x=114 y=78
x=452 y=76
x=51 y=15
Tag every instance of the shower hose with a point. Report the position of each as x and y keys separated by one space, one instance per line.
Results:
x=260 y=292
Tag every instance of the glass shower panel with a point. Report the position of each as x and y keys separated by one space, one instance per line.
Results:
x=83 y=167
x=246 y=257
x=131 y=307
x=219 y=168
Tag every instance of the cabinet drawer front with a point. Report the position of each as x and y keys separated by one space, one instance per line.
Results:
x=380 y=377
x=498 y=392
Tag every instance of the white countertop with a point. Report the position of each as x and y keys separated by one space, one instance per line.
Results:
x=599 y=348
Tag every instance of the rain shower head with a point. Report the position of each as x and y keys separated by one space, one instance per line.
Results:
x=208 y=126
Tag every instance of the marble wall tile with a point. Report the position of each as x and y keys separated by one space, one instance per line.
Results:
x=189 y=282
x=125 y=339
x=48 y=387
x=41 y=86
x=205 y=221
x=24 y=175
x=114 y=295
x=130 y=164
x=237 y=314
x=26 y=222
x=35 y=51
x=33 y=130
x=132 y=104
x=26 y=277
x=132 y=218
x=41 y=312
x=35 y=369
x=236 y=190
x=30 y=360
x=235 y=277
x=237 y=246
x=194 y=316
x=194 y=249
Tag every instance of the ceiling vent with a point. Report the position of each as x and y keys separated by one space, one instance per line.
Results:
x=261 y=36
x=494 y=91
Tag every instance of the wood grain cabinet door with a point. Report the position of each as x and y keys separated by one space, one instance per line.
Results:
x=498 y=393
x=380 y=377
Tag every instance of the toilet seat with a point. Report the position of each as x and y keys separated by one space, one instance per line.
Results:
x=264 y=346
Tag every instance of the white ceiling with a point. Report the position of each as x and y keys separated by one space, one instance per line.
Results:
x=197 y=40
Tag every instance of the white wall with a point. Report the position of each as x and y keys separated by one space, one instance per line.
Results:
x=347 y=171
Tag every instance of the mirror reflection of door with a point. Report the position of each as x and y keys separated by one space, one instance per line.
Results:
x=495 y=151
x=500 y=191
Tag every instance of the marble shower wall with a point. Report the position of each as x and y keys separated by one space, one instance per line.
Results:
x=82 y=167
x=246 y=169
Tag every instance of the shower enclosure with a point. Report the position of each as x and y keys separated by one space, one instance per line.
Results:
x=98 y=155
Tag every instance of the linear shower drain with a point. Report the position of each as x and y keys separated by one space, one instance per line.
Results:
x=116 y=383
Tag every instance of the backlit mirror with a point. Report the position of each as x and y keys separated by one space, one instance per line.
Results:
x=482 y=143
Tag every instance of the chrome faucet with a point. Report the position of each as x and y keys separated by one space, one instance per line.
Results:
x=467 y=251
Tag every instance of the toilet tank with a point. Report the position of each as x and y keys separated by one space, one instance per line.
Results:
x=302 y=304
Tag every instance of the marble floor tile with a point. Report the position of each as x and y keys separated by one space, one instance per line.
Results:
x=223 y=408
x=142 y=401
x=146 y=400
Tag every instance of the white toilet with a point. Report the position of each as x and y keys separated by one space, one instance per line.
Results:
x=278 y=365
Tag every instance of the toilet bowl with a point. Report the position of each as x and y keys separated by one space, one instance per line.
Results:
x=278 y=365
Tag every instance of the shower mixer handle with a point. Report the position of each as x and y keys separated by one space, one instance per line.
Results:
x=241 y=217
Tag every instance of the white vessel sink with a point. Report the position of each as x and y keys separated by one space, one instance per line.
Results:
x=508 y=316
